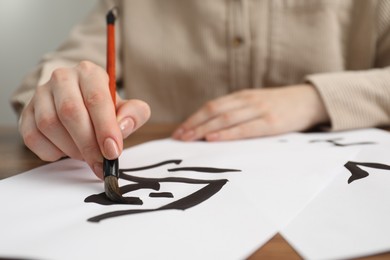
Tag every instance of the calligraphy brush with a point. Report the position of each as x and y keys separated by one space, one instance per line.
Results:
x=110 y=167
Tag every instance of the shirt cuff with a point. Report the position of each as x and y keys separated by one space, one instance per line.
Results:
x=354 y=99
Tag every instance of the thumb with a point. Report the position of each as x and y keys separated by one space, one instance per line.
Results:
x=131 y=115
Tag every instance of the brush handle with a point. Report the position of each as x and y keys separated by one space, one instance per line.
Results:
x=110 y=168
x=110 y=63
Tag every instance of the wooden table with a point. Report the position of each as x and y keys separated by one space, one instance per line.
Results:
x=16 y=158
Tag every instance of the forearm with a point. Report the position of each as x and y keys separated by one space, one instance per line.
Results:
x=355 y=99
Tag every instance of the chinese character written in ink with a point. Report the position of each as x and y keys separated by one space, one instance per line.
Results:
x=207 y=190
x=358 y=173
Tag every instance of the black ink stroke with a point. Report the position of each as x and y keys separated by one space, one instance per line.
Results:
x=358 y=173
x=187 y=202
x=161 y=195
x=150 y=166
x=203 y=169
x=211 y=188
x=335 y=143
x=102 y=199
x=166 y=179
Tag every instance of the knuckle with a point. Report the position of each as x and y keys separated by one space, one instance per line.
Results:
x=30 y=138
x=89 y=68
x=68 y=109
x=89 y=151
x=227 y=118
x=94 y=98
x=271 y=120
x=211 y=108
x=86 y=66
x=60 y=74
x=47 y=122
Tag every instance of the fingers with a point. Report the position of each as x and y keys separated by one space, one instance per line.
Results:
x=35 y=140
x=223 y=121
x=131 y=115
x=255 y=113
x=73 y=115
x=217 y=108
x=212 y=109
x=101 y=111
x=49 y=124
x=250 y=129
x=222 y=113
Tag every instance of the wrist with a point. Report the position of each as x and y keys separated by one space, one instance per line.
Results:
x=318 y=114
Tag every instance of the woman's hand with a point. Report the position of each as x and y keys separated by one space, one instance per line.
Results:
x=254 y=113
x=73 y=115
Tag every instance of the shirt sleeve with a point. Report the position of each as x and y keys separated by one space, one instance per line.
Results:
x=358 y=99
x=86 y=41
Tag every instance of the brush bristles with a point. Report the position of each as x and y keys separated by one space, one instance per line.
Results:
x=112 y=190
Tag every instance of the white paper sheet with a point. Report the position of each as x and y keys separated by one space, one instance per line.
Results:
x=47 y=219
x=44 y=216
x=347 y=220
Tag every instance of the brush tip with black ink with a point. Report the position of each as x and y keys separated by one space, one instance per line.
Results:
x=111 y=175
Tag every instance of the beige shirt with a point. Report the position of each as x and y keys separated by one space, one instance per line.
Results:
x=177 y=54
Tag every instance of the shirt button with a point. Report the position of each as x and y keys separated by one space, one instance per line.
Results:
x=237 y=41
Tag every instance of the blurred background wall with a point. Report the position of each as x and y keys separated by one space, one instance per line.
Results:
x=28 y=29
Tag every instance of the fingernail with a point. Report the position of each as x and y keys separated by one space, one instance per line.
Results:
x=126 y=125
x=98 y=170
x=111 y=150
x=178 y=133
